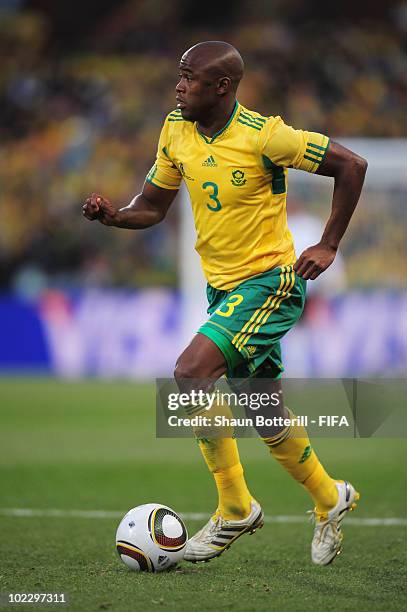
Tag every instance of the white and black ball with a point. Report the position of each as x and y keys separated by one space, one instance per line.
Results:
x=151 y=538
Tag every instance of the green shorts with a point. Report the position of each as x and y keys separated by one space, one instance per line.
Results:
x=248 y=322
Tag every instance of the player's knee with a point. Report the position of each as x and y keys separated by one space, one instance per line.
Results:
x=187 y=369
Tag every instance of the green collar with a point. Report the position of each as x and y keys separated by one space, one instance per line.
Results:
x=211 y=140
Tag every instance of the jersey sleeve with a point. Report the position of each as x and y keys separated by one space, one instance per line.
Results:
x=164 y=172
x=290 y=148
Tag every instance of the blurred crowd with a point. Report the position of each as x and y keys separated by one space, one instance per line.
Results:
x=87 y=118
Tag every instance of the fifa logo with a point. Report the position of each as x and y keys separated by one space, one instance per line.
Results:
x=183 y=172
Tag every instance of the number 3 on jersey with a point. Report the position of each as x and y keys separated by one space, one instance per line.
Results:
x=212 y=196
x=231 y=303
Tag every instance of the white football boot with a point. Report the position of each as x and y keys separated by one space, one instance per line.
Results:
x=326 y=543
x=219 y=534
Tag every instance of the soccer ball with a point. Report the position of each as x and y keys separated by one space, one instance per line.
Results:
x=151 y=538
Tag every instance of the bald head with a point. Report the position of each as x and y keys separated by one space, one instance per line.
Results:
x=209 y=75
x=217 y=60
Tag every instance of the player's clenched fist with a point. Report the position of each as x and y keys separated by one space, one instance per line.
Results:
x=314 y=260
x=100 y=208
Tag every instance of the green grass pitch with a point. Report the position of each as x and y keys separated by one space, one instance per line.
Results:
x=91 y=446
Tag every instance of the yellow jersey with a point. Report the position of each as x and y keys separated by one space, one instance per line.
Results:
x=237 y=183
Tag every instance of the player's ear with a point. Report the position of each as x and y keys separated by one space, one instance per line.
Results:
x=224 y=85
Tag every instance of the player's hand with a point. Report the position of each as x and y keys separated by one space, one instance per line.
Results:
x=100 y=208
x=91 y=208
x=314 y=260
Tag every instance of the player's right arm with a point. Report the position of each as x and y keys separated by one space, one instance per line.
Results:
x=146 y=209
x=151 y=205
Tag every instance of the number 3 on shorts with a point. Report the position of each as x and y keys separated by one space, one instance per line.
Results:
x=231 y=304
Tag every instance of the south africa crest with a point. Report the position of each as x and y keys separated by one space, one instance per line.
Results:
x=238 y=178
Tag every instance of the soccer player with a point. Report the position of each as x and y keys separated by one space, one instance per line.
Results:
x=234 y=163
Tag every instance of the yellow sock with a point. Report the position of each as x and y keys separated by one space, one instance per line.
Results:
x=292 y=449
x=222 y=458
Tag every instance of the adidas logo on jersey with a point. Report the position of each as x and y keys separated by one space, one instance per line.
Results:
x=210 y=162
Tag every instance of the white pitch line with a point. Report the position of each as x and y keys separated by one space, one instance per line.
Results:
x=192 y=516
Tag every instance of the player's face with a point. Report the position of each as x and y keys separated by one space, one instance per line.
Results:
x=195 y=91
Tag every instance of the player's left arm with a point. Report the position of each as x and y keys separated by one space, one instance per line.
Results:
x=348 y=170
